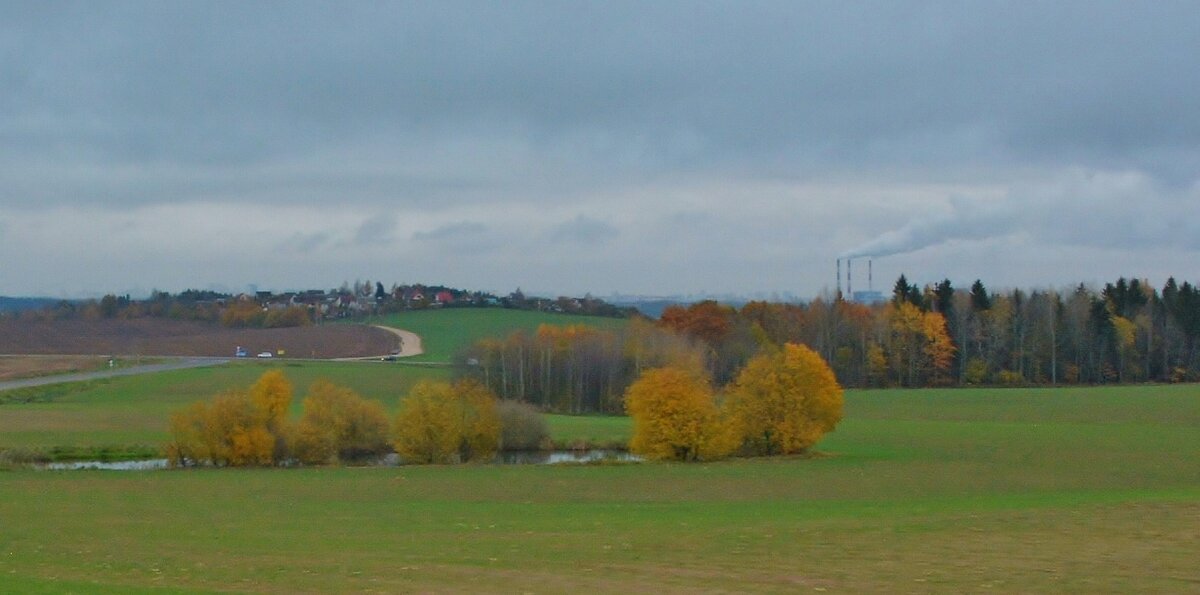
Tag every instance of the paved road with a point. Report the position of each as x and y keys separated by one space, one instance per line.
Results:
x=176 y=364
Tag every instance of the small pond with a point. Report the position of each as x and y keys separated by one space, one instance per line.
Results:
x=548 y=457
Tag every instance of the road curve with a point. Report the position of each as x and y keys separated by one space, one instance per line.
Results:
x=177 y=364
x=410 y=342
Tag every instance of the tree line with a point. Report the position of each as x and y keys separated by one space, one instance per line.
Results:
x=941 y=335
x=936 y=335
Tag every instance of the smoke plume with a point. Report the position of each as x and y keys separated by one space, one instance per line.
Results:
x=966 y=219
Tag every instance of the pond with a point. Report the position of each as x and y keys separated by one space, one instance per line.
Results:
x=548 y=457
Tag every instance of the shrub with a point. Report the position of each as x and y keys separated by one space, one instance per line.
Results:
x=236 y=428
x=338 y=424
x=444 y=423
x=522 y=427
x=784 y=401
x=675 y=417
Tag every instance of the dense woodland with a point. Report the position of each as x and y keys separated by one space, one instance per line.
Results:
x=936 y=335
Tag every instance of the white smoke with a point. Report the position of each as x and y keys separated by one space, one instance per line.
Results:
x=1076 y=207
x=967 y=219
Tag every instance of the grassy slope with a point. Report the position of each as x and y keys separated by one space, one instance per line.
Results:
x=135 y=409
x=1016 y=491
x=444 y=332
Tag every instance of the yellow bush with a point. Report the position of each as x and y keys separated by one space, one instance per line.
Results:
x=444 y=423
x=339 y=424
x=783 y=401
x=675 y=417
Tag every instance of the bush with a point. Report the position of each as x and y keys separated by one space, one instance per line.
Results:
x=522 y=427
x=675 y=417
x=236 y=428
x=784 y=401
x=444 y=423
x=339 y=425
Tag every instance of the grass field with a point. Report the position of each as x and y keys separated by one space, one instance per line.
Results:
x=444 y=332
x=130 y=413
x=1076 y=490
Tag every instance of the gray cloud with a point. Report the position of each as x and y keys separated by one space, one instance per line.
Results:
x=379 y=229
x=450 y=117
x=463 y=230
x=583 y=230
x=305 y=243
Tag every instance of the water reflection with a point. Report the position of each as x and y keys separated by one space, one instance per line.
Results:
x=551 y=457
x=554 y=457
x=146 y=465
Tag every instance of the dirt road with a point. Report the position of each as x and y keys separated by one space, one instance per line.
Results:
x=410 y=342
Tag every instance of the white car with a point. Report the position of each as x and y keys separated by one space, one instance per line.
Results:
x=266 y=354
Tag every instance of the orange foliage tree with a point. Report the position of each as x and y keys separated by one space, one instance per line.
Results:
x=784 y=400
x=675 y=417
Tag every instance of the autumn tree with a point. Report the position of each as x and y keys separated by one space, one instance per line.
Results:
x=675 y=417
x=784 y=401
x=447 y=423
x=272 y=395
x=339 y=424
x=236 y=428
x=228 y=431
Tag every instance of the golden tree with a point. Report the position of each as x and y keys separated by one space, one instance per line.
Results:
x=338 y=424
x=444 y=423
x=272 y=394
x=784 y=400
x=675 y=417
x=939 y=349
x=236 y=428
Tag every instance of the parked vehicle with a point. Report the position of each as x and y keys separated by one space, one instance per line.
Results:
x=265 y=354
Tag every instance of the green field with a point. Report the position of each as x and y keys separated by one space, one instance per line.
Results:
x=1077 y=490
x=133 y=411
x=444 y=332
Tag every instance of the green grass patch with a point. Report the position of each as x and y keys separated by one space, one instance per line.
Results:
x=579 y=431
x=133 y=411
x=1017 y=490
x=445 y=332
x=48 y=392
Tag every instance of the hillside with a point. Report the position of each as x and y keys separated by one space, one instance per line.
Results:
x=445 y=332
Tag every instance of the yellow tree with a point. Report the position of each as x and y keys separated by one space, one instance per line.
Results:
x=272 y=395
x=339 y=424
x=783 y=401
x=939 y=349
x=675 y=417
x=236 y=428
x=235 y=432
x=443 y=423
x=188 y=443
x=906 y=341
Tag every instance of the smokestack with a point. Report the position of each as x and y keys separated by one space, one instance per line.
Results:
x=839 y=275
x=870 y=275
x=849 y=283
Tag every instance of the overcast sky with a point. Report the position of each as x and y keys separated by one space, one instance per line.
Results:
x=571 y=147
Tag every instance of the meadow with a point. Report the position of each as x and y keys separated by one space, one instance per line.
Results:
x=130 y=414
x=443 y=332
x=1015 y=490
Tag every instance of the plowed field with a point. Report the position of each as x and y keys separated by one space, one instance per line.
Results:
x=164 y=337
